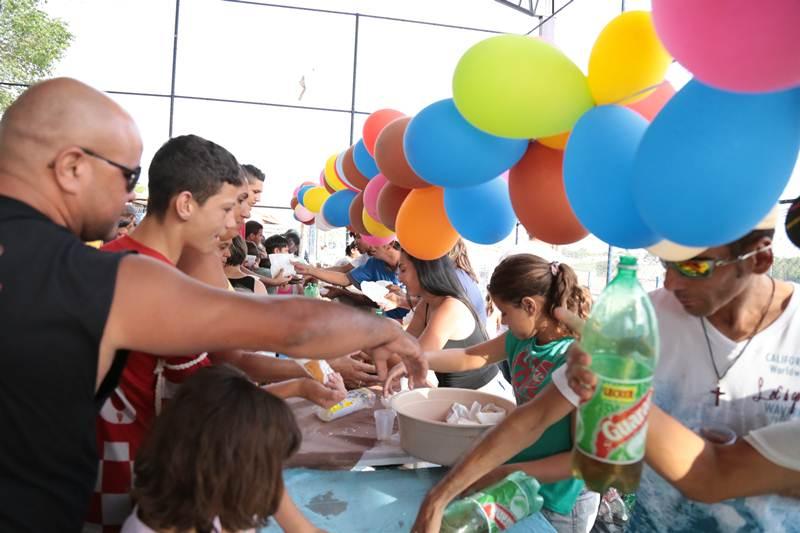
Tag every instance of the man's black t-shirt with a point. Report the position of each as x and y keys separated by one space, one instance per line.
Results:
x=55 y=296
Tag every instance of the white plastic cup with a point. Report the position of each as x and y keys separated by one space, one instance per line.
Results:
x=384 y=423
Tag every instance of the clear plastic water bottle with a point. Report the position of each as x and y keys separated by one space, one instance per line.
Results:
x=495 y=508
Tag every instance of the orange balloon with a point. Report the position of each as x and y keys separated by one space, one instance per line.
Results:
x=391 y=158
x=293 y=203
x=390 y=199
x=351 y=173
x=356 y=207
x=374 y=124
x=559 y=142
x=654 y=102
x=423 y=228
x=536 y=186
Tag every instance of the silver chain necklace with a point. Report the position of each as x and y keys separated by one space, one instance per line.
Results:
x=720 y=377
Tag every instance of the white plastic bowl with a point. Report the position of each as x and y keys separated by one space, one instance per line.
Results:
x=423 y=432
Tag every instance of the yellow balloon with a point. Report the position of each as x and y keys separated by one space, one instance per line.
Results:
x=626 y=58
x=331 y=176
x=314 y=198
x=558 y=142
x=374 y=227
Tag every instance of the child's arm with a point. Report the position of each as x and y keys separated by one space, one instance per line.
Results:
x=309 y=389
x=546 y=470
x=456 y=359
x=518 y=430
x=291 y=519
x=463 y=359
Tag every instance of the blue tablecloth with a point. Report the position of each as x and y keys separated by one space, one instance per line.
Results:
x=382 y=501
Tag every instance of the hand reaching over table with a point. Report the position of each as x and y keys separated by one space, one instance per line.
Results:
x=355 y=372
x=325 y=395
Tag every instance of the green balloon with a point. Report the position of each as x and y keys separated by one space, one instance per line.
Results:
x=520 y=87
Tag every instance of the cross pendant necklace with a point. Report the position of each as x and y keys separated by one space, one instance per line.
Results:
x=718 y=392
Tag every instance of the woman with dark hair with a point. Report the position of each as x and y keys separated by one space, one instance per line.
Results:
x=185 y=479
x=238 y=279
x=294 y=242
x=445 y=318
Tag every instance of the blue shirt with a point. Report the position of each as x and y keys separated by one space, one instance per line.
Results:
x=473 y=293
x=377 y=270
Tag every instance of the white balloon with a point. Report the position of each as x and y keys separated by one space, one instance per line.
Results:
x=321 y=223
x=670 y=251
x=342 y=175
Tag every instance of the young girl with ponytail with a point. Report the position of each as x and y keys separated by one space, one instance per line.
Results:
x=526 y=290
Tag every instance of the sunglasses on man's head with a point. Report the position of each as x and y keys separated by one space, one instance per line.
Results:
x=703 y=268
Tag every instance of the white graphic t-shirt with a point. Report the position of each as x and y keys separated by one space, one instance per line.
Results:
x=762 y=388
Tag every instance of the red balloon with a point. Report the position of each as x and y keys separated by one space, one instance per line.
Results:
x=352 y=174
x=374 y=124
x=356 y=208
x=390 y=199
x=391 y=159
x=654 y=102
x=293 y=203
x=536 y=186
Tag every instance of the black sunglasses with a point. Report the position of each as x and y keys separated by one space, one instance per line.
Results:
x=131 y=175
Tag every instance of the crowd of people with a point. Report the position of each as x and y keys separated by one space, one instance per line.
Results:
x=139 y=395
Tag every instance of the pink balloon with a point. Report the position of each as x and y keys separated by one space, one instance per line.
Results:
x=322 y=178
x=733 y=45
x=371 y=240
x=371 y=192
x=297 y=189
x=302 y=214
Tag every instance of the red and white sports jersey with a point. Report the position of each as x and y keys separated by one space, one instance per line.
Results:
x=127 y=416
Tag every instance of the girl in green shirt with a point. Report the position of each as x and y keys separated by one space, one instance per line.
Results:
x=526 y=289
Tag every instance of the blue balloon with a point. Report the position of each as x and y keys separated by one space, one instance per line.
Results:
x=302 y=192
x=365 y=163
x=446 y=150
x=713 y=163
x=598 y=175
x=336 y=209
x=483 y=213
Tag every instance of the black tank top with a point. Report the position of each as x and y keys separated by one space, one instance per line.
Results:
x=55 y=295
x=245 y=284
x=471 y=379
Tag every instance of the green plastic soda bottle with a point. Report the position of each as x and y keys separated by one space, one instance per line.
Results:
x=621 y=335
x=495 y=508
x=311 y=290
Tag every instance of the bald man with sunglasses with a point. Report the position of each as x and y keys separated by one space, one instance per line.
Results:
x=69 y=314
